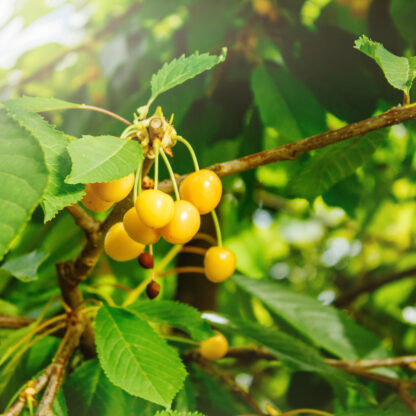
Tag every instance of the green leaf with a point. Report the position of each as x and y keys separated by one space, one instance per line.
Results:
x=25 y=266
x=328 y=327
x=90 y=393
x=332 y=164
x=8 y=308
x=175 y=314
x=176 y=413
x=102 y=158
x=40 y=104
x=399 y=71
x=54 y=143
x=182 y=69
x=286 y=105
x=402 y=13
x=59 y=407
x=23 y=179
x=135 y=358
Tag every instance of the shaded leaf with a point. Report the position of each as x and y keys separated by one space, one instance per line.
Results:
x=59 y=407
x=182 y=69
x=332 y=164
x=25 y=266
x=175 y=314
x=102 y=158
x=399 y=71
x=403 y=15
x=58 y=194
x=286 y=104
x=135 y=358
x=90 y=393
x=23 y=179
x=327 y=327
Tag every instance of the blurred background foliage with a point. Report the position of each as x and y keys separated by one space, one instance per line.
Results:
x=330 y=222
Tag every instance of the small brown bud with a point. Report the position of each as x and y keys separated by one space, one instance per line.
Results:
x=152 y=289
x=146 y=260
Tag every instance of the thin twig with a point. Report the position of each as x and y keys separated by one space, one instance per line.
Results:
x=371 y=284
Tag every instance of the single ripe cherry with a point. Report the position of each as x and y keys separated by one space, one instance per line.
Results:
x=146 y=260
x=214 y=348
x=152 y=289
x=91 y=201
x=203 y=189
x=116 y=190
x=137 y=230
x=119 y=246
x=155 y=208
x=184 y=224
x=219 y=264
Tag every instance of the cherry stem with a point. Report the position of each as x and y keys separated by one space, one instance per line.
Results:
x=153 y=268
x=127 y=131
x=205 y=237
x=191 y=151
x=194 y=250
x=181 y=270
x=138 y=181
x=171 y=174
x=217 y=227
x=107 y=112
x=156 y=147
x=136 y=292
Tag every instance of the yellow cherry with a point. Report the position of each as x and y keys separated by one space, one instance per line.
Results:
x=214 y=348
x=219 y=264
x=203 y=189
x=91 y=201
x=155 y=208
x=137 y=230
x=116 y=190
x=119 y=246
x=184 y=224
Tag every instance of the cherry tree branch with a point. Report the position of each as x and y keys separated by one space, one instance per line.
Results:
x=371 y=284
x=292 y=151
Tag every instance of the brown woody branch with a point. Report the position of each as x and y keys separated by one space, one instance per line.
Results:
x=14 y=322
x=292 y=151
x=371 y=285
x=89 y=224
